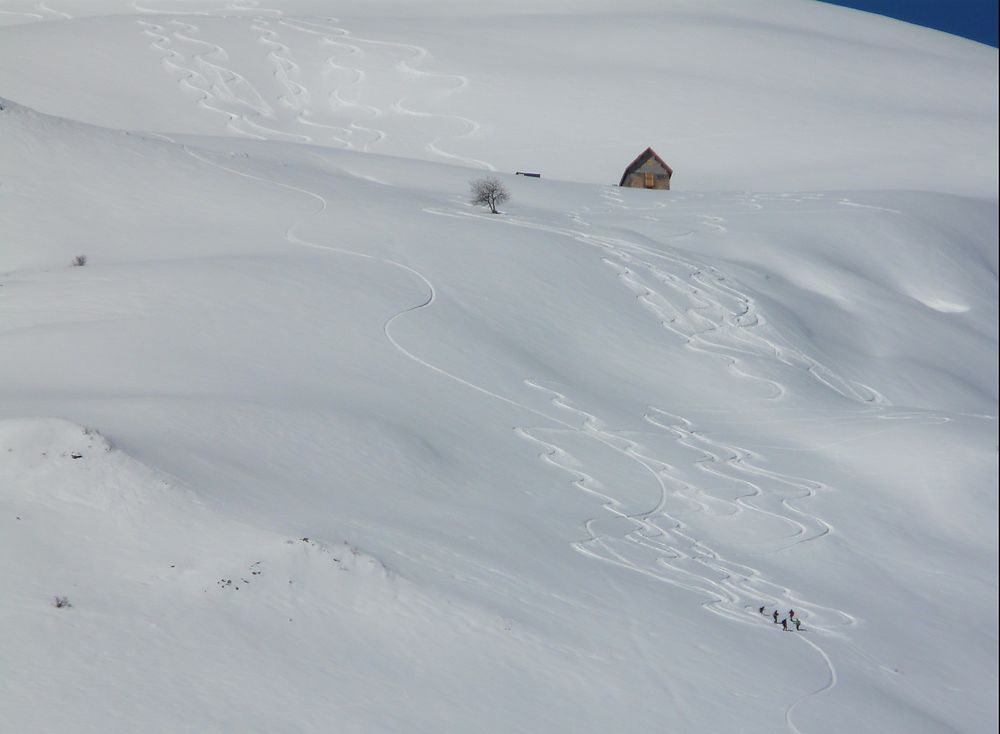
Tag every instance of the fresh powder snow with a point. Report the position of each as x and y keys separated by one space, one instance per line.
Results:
x=294 y=438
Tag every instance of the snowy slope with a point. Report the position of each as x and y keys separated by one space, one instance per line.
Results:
x=518 y=473
x=756 y=94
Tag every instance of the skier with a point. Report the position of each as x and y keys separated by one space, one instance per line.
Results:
x=775 y=615
x=761 y=610
x=784 y=625
x=791 y=614
x=798 y=624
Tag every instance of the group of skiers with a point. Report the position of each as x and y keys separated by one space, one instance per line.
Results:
x=784 y=622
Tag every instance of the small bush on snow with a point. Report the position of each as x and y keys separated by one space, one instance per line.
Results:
x=489 y=192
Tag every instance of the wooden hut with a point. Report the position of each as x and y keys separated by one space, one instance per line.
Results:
x=648 y=171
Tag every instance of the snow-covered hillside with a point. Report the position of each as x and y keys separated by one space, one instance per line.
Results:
x=311 y=444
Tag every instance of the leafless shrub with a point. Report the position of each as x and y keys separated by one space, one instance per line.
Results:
x=80 y=260
x=61 y=602
x=489 y=192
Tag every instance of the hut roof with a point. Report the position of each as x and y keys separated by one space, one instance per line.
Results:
x=640 y=159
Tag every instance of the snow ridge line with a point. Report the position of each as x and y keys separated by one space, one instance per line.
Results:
x=158 y=11
x=239 y=6
x=253 y=6
x=35 y=17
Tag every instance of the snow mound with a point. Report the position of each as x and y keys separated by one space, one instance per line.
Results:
x=164 y=594
x=60 y=478
x=26 y=440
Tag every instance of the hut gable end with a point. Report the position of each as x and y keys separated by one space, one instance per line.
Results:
x=647 y=171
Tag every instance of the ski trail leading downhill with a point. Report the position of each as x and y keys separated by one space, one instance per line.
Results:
x=289 y=111
x=291 y=237
x=830 y=683
x=336 y=35
x=656 y=544
x=705 y=323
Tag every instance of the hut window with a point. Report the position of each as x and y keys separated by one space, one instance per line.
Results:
x=650 y=181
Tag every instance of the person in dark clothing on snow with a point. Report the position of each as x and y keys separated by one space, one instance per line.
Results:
x=791 y=614
x=784 y=625
x=798 y=624
x=775 y=615
x=761 y=610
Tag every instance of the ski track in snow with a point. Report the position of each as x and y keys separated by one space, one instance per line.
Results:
x=692 y=301
x=45 y=13
x=719 y=458
x=347 y=96
x=411 y=54
x=728 y=599
x=696 y=303
x=703 y=307
x=651 y=541
x=661 y=545
x=213 y=94
x=225 y=91
x=830 y=683
x=291 y=237
x=57 y=14
x=707 y=312
x=297 y=96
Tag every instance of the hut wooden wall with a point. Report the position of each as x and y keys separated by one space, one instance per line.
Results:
x=636 y=178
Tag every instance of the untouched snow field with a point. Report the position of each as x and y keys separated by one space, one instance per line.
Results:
x=310 y=444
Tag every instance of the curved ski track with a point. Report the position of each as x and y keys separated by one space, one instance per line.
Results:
x=45 y=13
x=660 y=546
x=694 y=302
x=717 y=318
x=226 y=92
x=412 y=54
x=337 y=98
x=701 y=306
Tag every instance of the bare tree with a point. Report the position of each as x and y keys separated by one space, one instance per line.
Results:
x=489 y=192
x=80 y=260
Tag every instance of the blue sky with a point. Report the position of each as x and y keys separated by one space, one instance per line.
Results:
x=975 y=19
